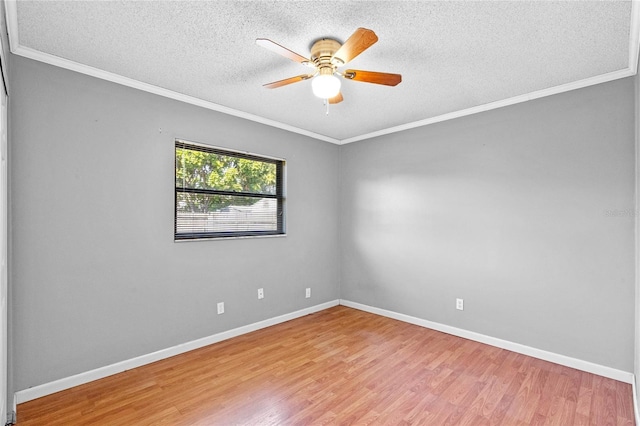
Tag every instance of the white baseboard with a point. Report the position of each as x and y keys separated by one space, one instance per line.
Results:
x=578 y=364
x=11 y=415
x=109 y=370
x=99 y=373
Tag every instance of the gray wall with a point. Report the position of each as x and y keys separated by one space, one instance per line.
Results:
x=96 y=275
x=523 y=211
x=526 y=212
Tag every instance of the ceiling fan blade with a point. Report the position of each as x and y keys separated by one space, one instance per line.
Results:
x=336 y=99
x=281 y=50
x=359 y=41
x=286 y=81
x=373 y=77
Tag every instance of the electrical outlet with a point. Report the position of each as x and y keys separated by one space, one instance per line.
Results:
x=260 y=293
x=220 y=308
x=460 y=304
x=307 y=293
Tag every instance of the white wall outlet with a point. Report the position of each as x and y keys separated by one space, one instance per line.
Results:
x=220 y=308
x=307 y=293
x=460 y=304
x=260 y=293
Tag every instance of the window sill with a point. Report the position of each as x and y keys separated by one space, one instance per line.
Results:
x=244 y=237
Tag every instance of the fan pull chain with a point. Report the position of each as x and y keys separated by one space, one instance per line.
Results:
x=326 y=102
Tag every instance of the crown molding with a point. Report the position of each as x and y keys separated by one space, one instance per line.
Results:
x=634 y=36
x=17 y=49
x=150 y=88
x=603 y=78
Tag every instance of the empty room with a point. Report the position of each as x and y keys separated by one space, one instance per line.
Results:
x=319 y=212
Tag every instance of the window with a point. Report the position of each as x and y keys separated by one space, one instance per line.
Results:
x=222 y=193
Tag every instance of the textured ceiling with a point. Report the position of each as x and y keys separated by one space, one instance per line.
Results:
x=454 y=57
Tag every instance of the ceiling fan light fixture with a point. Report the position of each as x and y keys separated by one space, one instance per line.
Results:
x=325 y=86
x=327 y=55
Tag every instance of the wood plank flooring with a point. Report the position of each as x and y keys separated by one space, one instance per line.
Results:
x=341 y=367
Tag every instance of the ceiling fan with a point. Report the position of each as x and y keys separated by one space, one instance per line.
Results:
x=327 y=55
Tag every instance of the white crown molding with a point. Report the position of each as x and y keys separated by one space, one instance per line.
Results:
x=109 y=370
x=578 y=364
x=17 y=49
x=150 y=88
x=11 y=16
x=603 y=78
x=634 y=36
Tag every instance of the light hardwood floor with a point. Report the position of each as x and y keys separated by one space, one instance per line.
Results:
x=341 y=366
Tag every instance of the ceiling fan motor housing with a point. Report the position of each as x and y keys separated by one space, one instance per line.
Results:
x=327 y=55
x=322 y=53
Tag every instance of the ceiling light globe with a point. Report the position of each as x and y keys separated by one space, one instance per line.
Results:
x=325 y=86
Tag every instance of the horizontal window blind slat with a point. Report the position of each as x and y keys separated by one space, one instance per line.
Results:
x=255 y=208
x=230 y=193
x=228 y=153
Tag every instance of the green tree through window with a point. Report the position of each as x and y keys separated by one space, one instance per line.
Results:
x=224 y=193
